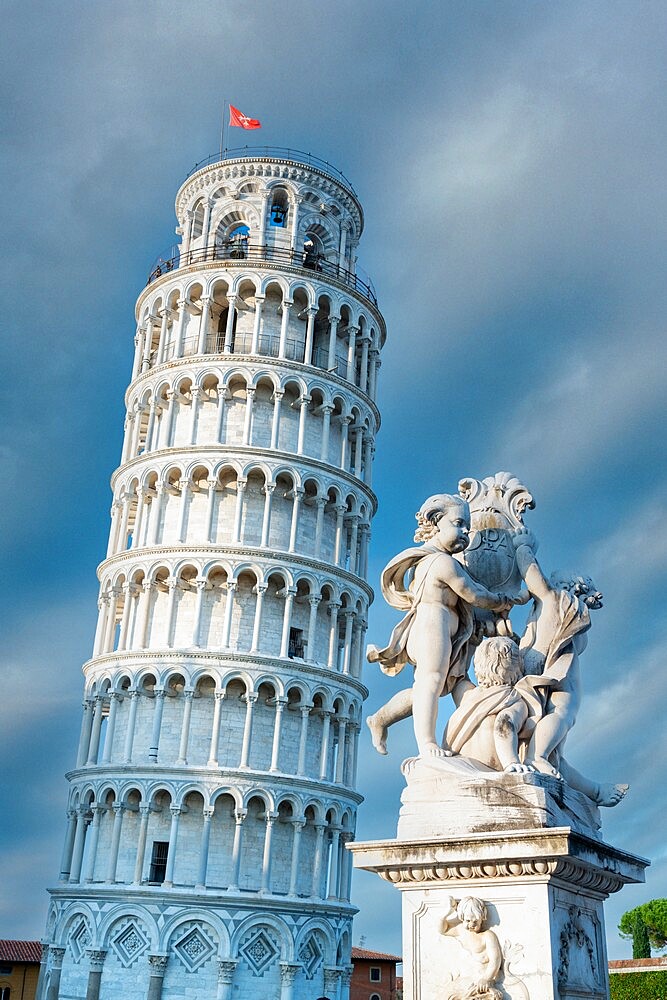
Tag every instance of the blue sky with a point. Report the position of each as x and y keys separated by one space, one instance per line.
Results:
x=512 y=162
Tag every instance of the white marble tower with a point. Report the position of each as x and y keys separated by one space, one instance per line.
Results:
x=214 y=789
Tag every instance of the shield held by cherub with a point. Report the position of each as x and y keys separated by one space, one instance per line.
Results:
x=497 y=505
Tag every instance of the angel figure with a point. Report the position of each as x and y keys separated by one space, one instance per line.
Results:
x=436 y=631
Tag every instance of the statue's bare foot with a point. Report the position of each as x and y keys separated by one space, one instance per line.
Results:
x=378 y=733
x=611 y=795
x=544 y=767
x=517 y=768
x=433 y=750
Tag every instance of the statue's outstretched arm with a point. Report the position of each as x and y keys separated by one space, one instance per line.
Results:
x=471 y=592
x=537 y=583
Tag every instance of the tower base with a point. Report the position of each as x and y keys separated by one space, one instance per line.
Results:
x=542 y=933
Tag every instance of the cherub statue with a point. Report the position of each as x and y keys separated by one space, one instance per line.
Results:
x=489 y=718
x=465 y=922
x=435 y=633
x=553 y=641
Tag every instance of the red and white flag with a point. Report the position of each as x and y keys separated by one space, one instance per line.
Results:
x=240 y=120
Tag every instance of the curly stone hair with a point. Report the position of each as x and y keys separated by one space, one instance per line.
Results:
x=498 y=661
x=432 y=510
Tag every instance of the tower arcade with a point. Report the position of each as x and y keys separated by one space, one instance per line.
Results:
x=214 y=787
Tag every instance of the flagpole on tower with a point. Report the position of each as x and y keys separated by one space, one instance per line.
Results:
x=222 y=129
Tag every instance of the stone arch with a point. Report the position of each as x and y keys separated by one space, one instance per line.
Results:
x=128 y=938
x=266 y=920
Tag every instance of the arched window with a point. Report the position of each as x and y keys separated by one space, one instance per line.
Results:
x=238 y=242
x=375 y=996
x=198 y=219
x=279 y=206
x=5 y=992
x=313 y=252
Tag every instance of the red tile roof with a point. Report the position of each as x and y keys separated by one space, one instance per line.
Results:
x=362 y=954
x=627 y=964
x=20 y=951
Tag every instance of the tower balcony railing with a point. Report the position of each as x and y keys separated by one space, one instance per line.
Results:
x=237 y=251
x=275 y=153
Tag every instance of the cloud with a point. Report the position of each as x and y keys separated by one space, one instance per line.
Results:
x=511 y=165
x=584 y=403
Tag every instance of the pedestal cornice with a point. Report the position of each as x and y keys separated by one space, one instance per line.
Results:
x=556 y=854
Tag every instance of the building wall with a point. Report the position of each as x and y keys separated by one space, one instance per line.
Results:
x=363 y=988
x=20 y=978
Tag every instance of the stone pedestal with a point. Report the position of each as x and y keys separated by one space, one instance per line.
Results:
x=539 y=889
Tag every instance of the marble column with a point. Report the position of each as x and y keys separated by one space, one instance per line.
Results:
x=314 y=602
x=333 y=330
x=157 y=725
x=287 y=976
x=298 y=825
x=173 y=841
x=256 y=329
x=265 y=886
x=56 y=955
x=133 y=695
x=269 y=490
x=97 y=811
x=114 y=698
x=240 y=816
x=290 y=594
x=203 y=847
x=118 y=810
x=215 y=732
x=229 y=607
x=260 y=590
x=275 y=748
x=158 y=966
x=324 y=749
x=188 y=695
x=226 y=970
x=282 y=346
x=68 y=846
x=326 y=411
x=275 y=426
x=308 y=350
x=231 y=299
x=333 y=635
x=96 y=964
x=250 y=698
x=144 y=812
x=303 y=740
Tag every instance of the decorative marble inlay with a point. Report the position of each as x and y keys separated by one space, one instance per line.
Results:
x=310 y=956
x=194 y=949
x=79 y=940
x=129 y=944
x=260 y=951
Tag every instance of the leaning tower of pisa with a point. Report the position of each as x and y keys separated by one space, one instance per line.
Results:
x=214 y=788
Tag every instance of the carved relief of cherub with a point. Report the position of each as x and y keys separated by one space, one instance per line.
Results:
x=465 y=921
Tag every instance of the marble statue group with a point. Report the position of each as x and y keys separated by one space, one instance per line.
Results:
x=475 y=561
